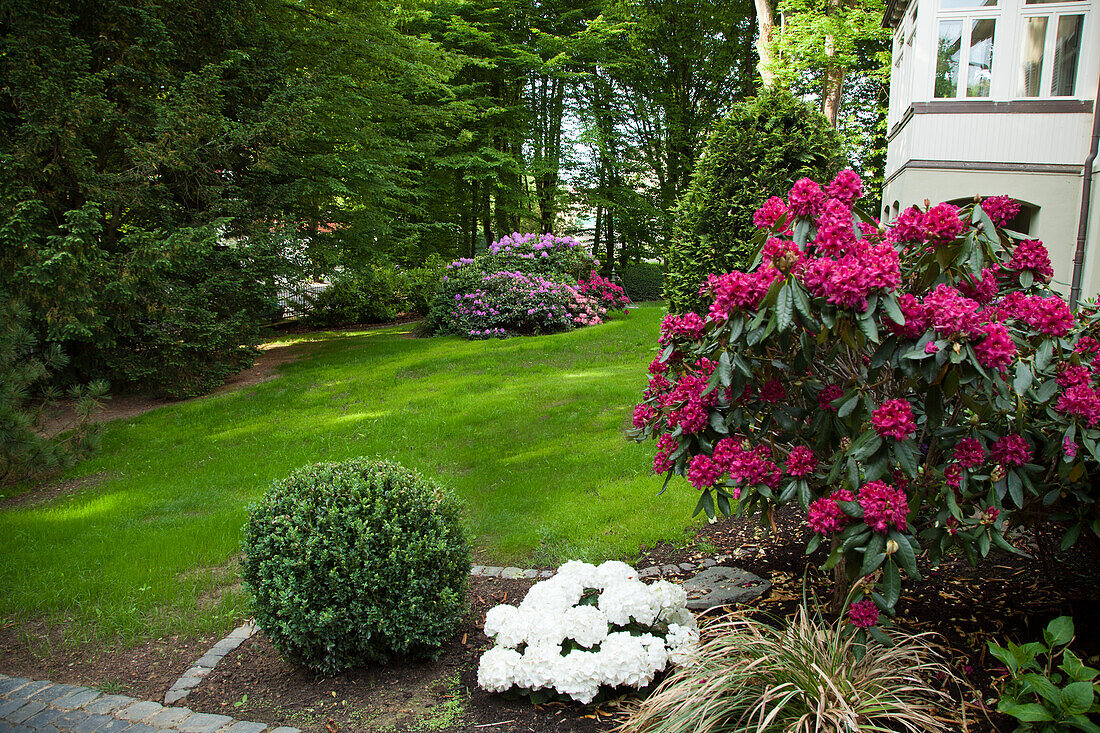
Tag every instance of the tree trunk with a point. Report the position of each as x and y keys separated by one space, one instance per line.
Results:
x=765 y=25
x=596 y=233
x=834 y=75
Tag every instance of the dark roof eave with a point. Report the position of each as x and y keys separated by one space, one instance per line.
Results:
x=895 y=11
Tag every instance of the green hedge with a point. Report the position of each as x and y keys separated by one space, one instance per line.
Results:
x=354 y=562
x=643 y=281
x=759 y=150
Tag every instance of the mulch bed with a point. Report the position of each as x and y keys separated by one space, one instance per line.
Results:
x=1011 y=597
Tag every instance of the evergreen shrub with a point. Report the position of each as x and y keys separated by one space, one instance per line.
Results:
x=643 y=281
x=759 y=150
x=355 y=562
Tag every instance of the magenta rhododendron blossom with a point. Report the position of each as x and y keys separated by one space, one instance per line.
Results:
x=768 y=215
x=1001 y=209
x=997 y=350
x=801 y=461
x=983 y=289
x=952 y=475
x=1049 y=315
x=894 y=419
x=846 y=187
x=1082 y=402
x=883 y=506
x=1032 y=256
x=826 y=396
x=704 y=471
x=1010 y=450
x=942 y=223
x=1069 y=447
x=969 y=452
x=952 y=313
x=863 y=614
x=644 y=415
x=825 y=516
x=806 y=198
x=772 y=391
x=908 y=227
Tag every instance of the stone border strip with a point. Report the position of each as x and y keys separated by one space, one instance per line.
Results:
x=490 y=571
x=206 y=663
x=40 y=706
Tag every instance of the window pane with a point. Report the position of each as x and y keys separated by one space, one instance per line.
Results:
x=1045 y=2
x=947 y=58
x=1031 y=70
x=1067 y=44
x=948 y=4
x=980 y=70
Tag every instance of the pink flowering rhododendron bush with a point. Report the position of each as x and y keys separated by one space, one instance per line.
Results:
x=523 y=284
x=916 y=386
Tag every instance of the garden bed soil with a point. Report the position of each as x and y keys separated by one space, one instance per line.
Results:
x=255 y=683
x=145 y=670
x=1011 y=597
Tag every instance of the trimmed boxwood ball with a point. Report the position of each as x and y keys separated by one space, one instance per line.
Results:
x=355 y=562
x=759 y=150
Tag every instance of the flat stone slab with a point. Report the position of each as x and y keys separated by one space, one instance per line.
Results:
x=723 y=586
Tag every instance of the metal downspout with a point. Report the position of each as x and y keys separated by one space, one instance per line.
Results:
x=1086 y=199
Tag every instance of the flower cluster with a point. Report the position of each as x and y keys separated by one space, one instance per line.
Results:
x=883 y=506
x=825 y=515
x=1001 y=209
x=863 y=614
x=569 y=634
x=524 y=284
x=894 y=419
x=1032 y=256
x=605 y=293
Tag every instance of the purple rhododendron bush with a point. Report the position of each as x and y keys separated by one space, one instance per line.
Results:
x=524 y=284
x=916 y=386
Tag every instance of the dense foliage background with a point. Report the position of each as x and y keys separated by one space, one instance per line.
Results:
x=171 y=170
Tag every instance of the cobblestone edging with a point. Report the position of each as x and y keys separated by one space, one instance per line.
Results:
x=491 y=571
x=206 y=663
x=40 y=706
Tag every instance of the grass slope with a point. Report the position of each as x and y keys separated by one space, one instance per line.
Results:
x=529 y=432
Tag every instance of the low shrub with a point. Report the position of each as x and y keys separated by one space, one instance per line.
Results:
x=1047 y=687
x=804 y=676
x=525 y=284
x=643 y=281
x=376 y=295
x=355 y=299
x=354 y=562
x=586 y=630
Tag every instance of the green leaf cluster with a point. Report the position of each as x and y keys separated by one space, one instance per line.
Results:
x=355 y=562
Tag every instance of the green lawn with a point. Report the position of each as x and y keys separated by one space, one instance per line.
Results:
x=529 y=432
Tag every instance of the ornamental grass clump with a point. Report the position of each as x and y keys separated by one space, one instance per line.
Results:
x=356 y=562
x=912 y=387
x=586 y=630
x=802 y=676
x=524 y=284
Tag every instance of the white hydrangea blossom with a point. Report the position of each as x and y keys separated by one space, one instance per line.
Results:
x=496 y=672
x=682 y=642
x=530 y=638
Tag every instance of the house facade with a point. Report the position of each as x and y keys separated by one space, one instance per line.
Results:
x=993 y=97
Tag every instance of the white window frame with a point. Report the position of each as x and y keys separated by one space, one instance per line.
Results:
x=1051 y=11
x=968 y=16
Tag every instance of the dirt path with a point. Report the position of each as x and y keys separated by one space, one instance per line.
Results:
x=117 y=407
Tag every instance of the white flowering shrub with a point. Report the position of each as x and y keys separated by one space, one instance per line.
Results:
x=585 y=628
